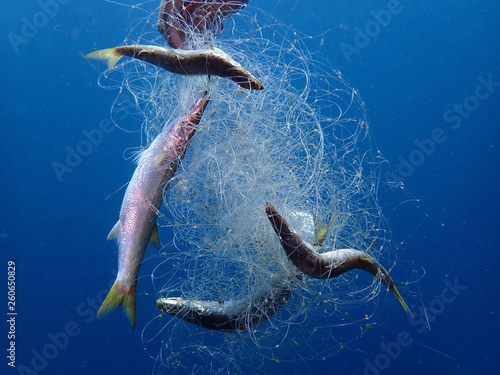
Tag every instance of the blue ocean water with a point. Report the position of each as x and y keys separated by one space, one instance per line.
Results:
x=430 y=77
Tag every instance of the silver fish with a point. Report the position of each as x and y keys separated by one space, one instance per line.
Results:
x=186 y=62
x=330 y=264
x=228 y=316
x=137 y=224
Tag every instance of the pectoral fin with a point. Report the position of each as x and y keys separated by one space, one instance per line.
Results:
x=160 y=157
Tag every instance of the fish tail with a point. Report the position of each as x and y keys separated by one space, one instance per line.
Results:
x=110 y=55
x=394 y=291
x=387 y=280
x=370 y=264
x=120 y=296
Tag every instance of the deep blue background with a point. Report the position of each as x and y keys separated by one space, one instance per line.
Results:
x=426 y=59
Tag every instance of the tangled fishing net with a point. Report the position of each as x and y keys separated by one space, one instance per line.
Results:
x=301 y=144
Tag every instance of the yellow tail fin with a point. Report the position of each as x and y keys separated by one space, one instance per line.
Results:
x=110 y=55
x=395 y=291
x=120 y=296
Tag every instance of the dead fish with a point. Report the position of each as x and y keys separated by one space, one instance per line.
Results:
x=231 y=316
x=330 y=264
x=193 y=62
x=178 y=16
x=136 y=227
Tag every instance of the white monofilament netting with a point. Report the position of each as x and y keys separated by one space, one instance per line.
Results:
x=301 y=144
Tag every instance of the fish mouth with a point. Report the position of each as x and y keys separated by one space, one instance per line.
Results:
x=169 y=305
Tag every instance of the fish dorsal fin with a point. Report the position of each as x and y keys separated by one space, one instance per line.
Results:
x=114 y=232
x=155 y=240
